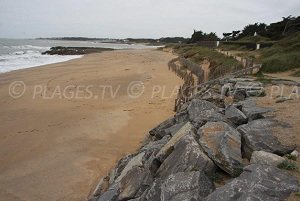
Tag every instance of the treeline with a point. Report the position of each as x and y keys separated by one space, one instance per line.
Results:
x=273 y=31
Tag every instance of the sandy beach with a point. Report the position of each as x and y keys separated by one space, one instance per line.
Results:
x=76 y=119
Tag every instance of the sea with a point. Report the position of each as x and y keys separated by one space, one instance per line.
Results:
x=26 y=53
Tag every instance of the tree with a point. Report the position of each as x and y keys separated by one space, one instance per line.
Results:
x=200 y=36
x=226 y=36
x=235 y=33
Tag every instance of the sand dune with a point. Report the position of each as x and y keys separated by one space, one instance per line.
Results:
x=54 y=146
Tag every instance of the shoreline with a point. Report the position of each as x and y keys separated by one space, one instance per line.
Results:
x=48 y=63
x=57 y=149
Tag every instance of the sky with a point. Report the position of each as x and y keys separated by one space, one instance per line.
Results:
x=135 y=18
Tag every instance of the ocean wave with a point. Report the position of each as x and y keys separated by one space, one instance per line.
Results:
x=30 y=58
x=28 y=47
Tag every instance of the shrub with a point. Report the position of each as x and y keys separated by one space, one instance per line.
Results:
x=287 y=165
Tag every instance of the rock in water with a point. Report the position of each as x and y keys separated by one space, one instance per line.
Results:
x=266 y=158
x=235 y=115
x=257 y=136
x=222 y=143
x=257 y=182
x=187 y=156
x=186 y=186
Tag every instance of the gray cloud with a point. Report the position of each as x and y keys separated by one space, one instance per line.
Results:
x=135 y=18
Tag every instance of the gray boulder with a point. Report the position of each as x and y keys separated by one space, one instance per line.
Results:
x=235 y=115
x=257 y=183
x=257 y=136
x=251 y=88
x=266 y=158
x=186 y=186
x=201 y=111
x=187 y=156
x=239 y=95
x=282 y=99
x=138 y=178
x=135 y=161
x=213 y=97
x=252 y=111
x=167 y=149
x=159 y=131
x=110 y=195
x=222 y=143
x=154 y=191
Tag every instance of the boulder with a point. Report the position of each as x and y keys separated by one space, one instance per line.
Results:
x=235 y=115
x=120 y=167
x=251 y=88
x=110 y=195
x=187 y=156
x=213 y=97
x=295 y=153
x=168 y=148
x=154 y=191
x=101 y=188
x=252 y=111
x=186 y=186
x=159 y=131
x=135 y=161
x=266 y=158
x=225 y=89
x=201 y=111
x=257 y=136
x=239 y=95
x=222 y=143
x=155 y=146
x=282 y=99
x=136 y=179
x=257 y=182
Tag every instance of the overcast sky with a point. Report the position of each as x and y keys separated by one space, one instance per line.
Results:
x=135 y=18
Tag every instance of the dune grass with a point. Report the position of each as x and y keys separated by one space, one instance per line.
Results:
x=282 y=56
x=198 y=53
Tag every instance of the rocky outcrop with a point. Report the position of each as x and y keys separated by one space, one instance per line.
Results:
x=257 y=182
x=59 y=50
x=215 y=131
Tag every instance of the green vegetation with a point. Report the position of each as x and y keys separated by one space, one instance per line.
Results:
x=279 y=45
x=291 y=157
x=283 y=55
x=197 y=54
x=287 y=165
x=274 y=31
x=200 y=36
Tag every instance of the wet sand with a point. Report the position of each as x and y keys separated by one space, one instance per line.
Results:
x=56 y=144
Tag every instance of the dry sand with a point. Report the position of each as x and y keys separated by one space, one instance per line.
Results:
x=57 y=148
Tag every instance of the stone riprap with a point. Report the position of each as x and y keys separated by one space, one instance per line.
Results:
x=213 y=132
